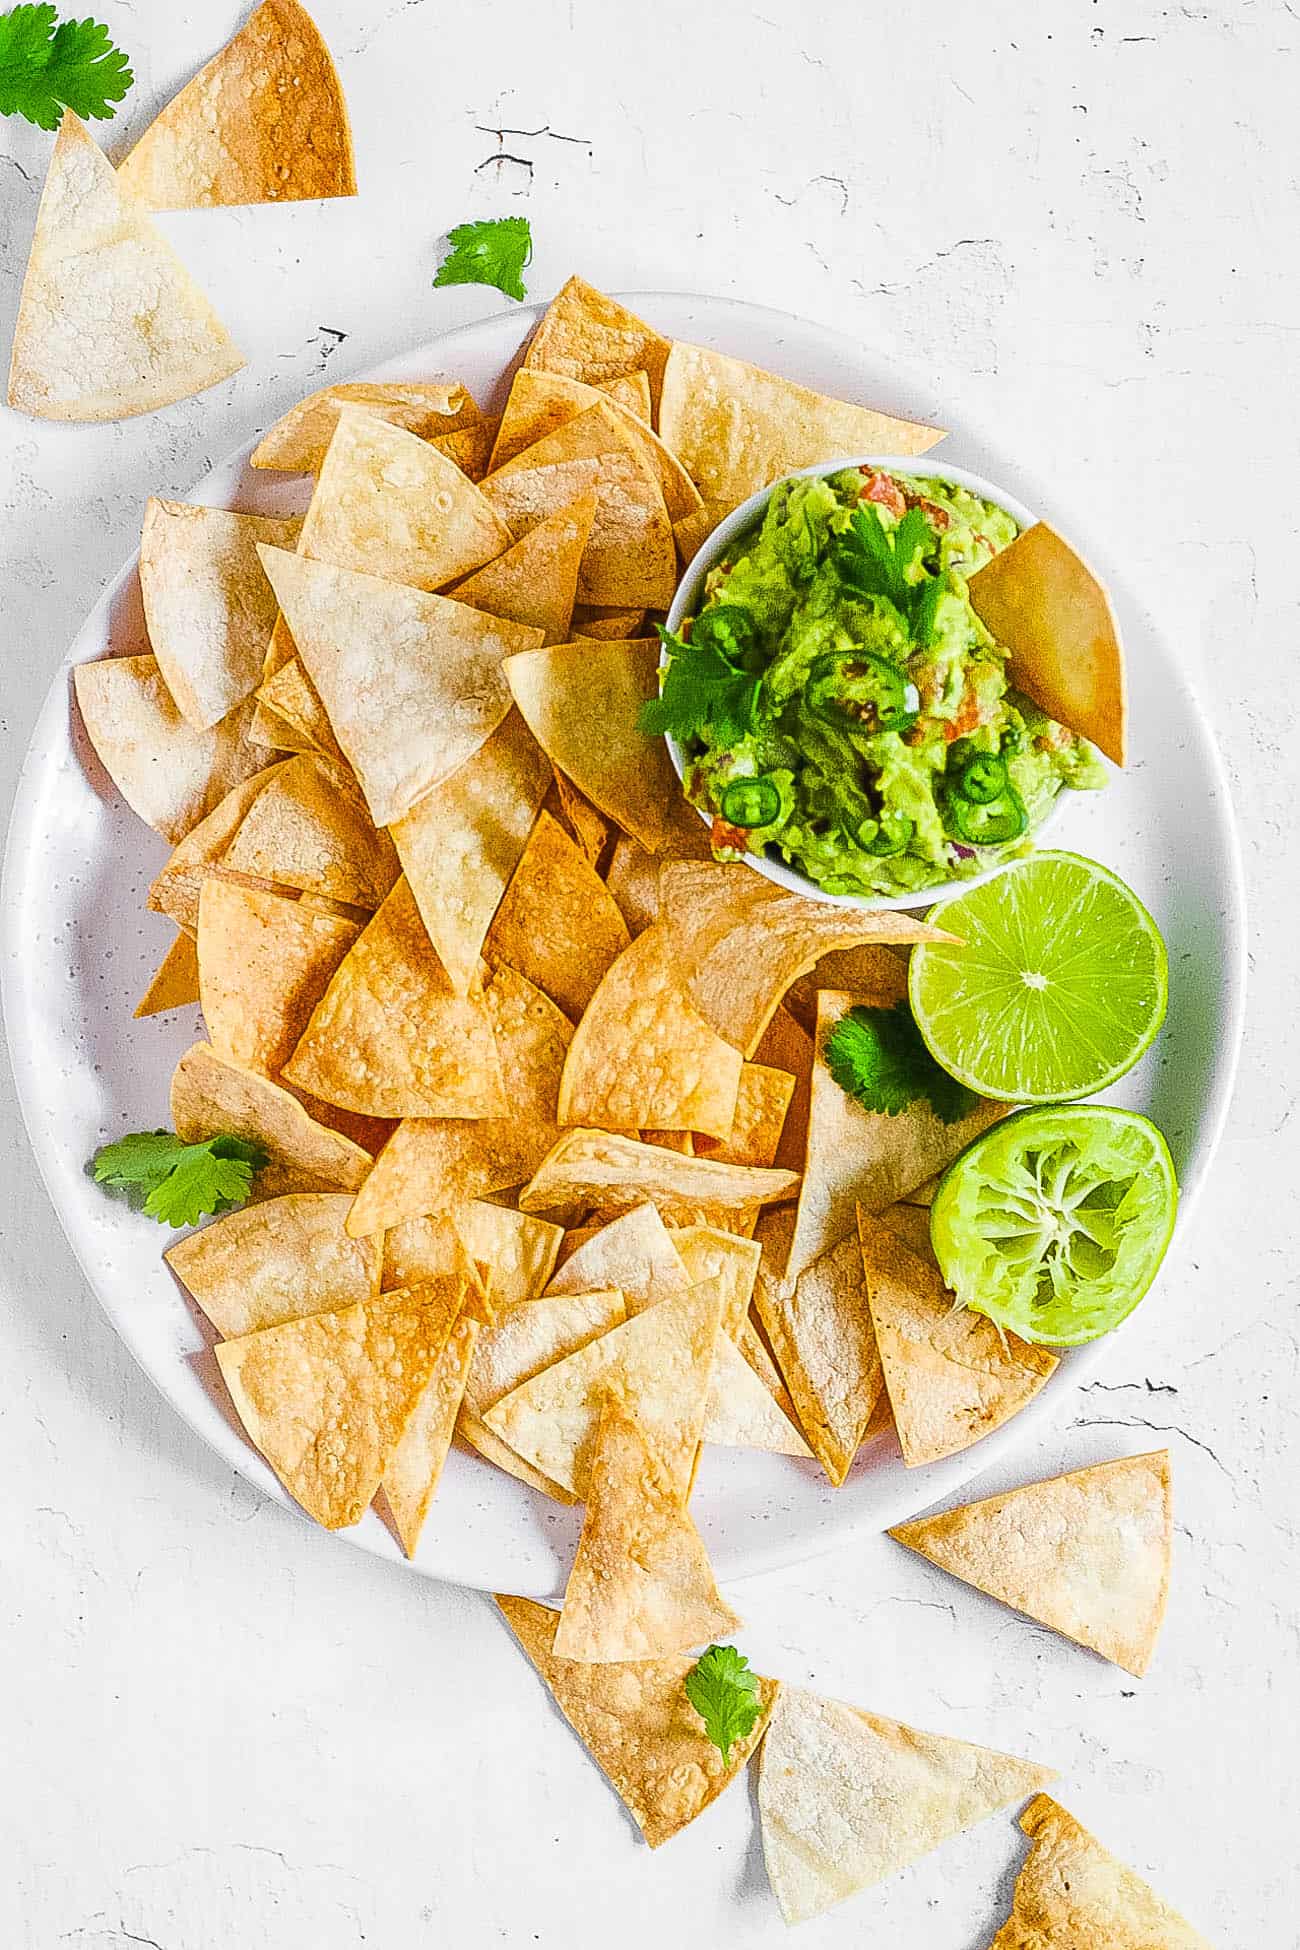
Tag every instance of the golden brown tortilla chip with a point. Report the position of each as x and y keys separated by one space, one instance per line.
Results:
x=264 y=962
x=582 y=701
x=786 y=1046
x=755 y=1350
x=264 y=121
x=207 y=604
x=636 y=1254
x=391 y=1038
x=535 y=582
x=540 y=402
x=593 y=338
x=414 y=1469
x=693 y=531
x=432 y=408
x=1073 y=1894
x=306 y=830
x=476 y=1435
x=533 y=1335
x=952 y=1376
x=276 y=1261
x=605 y=1169
x=641 y=1586
x=912 y=1224
x=878 y=971
x=574 y=810
x=597 y=620
x=176 y=889
x=293 y=700
x=642 y=1056
x=213 y=1098
x=1086 y=1553
x=461 y=842
x=470 y=447
x=629 y=389
x=1045 y=604
x=176 y=983
x=742 y=941
x=110 y=323
x=518 y=1250
x=762 y=1100
x=742 y=1413
x=326 y=1398
x=168 y=773
x=736 y=428
x=846 y=1798
x=710 y=1253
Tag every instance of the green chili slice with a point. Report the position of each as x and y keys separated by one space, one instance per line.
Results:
x=893 y=835
x=750 y=802
x=993 y=824
x=983 y=779
x=859 y=685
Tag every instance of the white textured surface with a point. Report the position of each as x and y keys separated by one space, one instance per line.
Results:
x=220 y=1727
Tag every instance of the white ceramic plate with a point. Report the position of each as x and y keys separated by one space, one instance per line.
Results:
x=79 y=948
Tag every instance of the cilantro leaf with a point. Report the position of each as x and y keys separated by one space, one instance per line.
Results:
x=877 y=1056
x=178 y=1183
x=46 y=67
x=702 y=689
x=872 y=560
x=495 y=251
x=724 y=1692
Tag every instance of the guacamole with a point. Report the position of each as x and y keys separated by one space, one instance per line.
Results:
x=840 y=705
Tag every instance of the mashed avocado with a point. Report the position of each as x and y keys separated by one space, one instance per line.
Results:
x=859 y=723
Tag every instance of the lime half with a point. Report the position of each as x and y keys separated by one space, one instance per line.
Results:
x=1054 y=1222
x=1060 y=986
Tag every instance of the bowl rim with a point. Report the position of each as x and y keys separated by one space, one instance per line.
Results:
x=917 y=467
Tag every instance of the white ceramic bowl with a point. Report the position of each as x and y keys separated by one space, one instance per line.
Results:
x=691 y=589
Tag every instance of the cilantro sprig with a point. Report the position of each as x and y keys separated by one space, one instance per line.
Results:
x=706 y=685
x=495 y=251
x=878 y=1057
x=872 y=560
x=48 y=64
x=724 y=1692
x=176 y=1183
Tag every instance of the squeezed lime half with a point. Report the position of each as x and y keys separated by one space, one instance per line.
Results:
x=1059 y=988
x=1054 y=1222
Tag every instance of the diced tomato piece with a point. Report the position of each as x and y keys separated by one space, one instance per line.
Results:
x=938 y=517
x=882 y=489
x=723 y=834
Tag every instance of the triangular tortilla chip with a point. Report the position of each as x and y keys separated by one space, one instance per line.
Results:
x=412 y=682
x=264 y=121
x=1073 y=1894
x=638 y=1726
x=709 y=1253
x=606 y=1169
x=437 y=1164
x=391 y=1038
x=594 y=338
x=176 y=983
x=461 y=842
x=642 y=1056
x=657 y=1365
x=912 y=1224
x=1043 y=602
x=168 y=773
x=110 y=323
x=597 y=620
x=294 y=701
x=299 y=442
x=629 y=389
x=518 y=1250
x=558 y=924
x=736 y=428
x=276 y=1261
x=476 y=1435
x=305 y=830
x=763 y=1097
x=861 y=1157
x=786 y=1046
x=755 y=1350
x=952 y=1376
x=693 y=531
x=588 y=826
x=176 y=889
x=636 y=1254
x=207 y=604
x=213 y=1098
x=871 y=970
x=326 y=1398
x=264 y=962
x=470 y=447
x=630 y=558
x=541 y=401
x=1086 y=1553
x=741 y=1413
x=641 y=1586
x=526 y=1339
x=414 y=1469
x=535 y=582
x=846 y=1798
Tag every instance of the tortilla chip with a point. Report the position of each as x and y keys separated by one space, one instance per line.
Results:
x=470 y=447
x=762 y=1100
x=176 y=983
x=390 y=1037
x=641 y=1055
x=593 y=338
x=786 y=1046
x=924 y=1194
x=264 y=121
x=326 y=1398
x=742 y=941
x=1052 y=613
x=736 y=428
x=276 y=1261
x=541 y=402
x=636 y=1254
x=952 y=1376
x=589 y=827
x=861 y=1157
x=412 y=682
x=168 y=773
x=582 y=701
x=755 y=1350
x=389 y=504
x=431 y=408
x=629 y=389
x=527 y=1339
x=693 y=531
x=207 y=603
x=534 y=582
x=709 y=1253
x=305 y=830
x=741 y=1413
x=175 y=891
x=1073 y=1894
x=557 y=924
x=597 y=620
x=438 y=1164
x=603 y=1168
x=414 y=1469
x=630 y=559
x=475 y=1435
x=295 y=703
x=213 y=1098
x=633 y=879
x=1086 y=1553
x=264 y=962
x=657 y=1365
x=846 y=1798
x=641 y=1586
x=518 y=1251
x=460 y=844
x=110 y=323
x=912 y=1224
x=880 y=972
